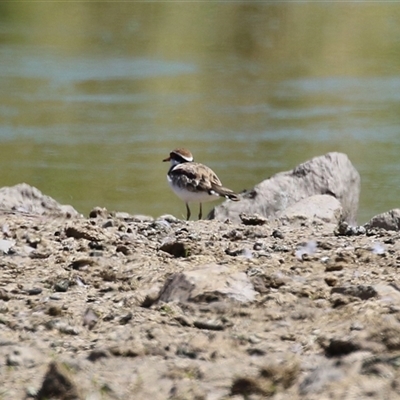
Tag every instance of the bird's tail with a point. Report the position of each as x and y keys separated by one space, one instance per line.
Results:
x=225 y=192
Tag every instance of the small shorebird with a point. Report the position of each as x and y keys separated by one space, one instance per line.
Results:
x=194 y=182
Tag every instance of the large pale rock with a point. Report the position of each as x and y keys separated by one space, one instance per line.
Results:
x=332 y=174
x=320 y=207
x=389 y=220
x=208 y=282
x=389 y=294
x=26 y=198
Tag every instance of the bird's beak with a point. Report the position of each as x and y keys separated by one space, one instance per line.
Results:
x=167 y=159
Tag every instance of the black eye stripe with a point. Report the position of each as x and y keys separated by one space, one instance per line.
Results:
x=178 y=158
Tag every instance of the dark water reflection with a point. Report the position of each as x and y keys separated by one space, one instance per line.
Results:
x=94 y=95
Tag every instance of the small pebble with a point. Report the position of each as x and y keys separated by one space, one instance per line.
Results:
x=34 y=291
x=62 y=285
x=278 y=234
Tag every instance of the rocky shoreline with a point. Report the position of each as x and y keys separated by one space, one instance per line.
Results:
x=115 y=306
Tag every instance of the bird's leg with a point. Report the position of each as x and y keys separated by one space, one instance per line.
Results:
x=200 y=212
x=188 y=212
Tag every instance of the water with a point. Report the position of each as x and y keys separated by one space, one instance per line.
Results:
x=94 y=95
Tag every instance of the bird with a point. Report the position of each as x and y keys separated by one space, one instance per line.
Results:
x=194 y=182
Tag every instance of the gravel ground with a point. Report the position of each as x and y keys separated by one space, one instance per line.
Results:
x=127 y=307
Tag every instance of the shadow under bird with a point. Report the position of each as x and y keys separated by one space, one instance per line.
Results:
x=194 y=182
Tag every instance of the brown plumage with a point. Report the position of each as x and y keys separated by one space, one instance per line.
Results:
x=198 y=177
x=194 y=182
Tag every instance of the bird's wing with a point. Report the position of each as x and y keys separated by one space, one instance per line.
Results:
x=197 y=176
